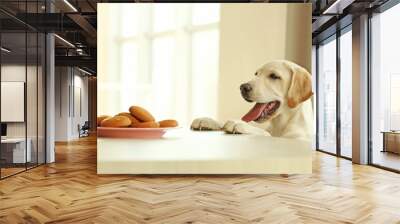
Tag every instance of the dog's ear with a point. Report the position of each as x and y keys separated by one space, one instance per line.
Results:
x=300 y=88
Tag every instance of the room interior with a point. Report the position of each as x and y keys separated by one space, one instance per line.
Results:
x=22 y=105
x=50 y=101
x=161 y=83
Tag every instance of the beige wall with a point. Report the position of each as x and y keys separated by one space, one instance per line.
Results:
x=71 y=102
x=253 y=34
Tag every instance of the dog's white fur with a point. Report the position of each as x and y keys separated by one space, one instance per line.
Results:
x=293 y=119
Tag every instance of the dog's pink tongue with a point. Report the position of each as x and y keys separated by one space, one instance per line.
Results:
x=255 y=112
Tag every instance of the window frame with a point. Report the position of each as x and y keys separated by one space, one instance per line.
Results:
x=39 y=60
x=149 y=36
x=334 y=37
x=380 y=9
x=183 y=28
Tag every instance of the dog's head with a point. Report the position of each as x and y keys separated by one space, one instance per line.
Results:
x=277 y=85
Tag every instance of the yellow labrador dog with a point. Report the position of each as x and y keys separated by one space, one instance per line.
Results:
x=281 y=91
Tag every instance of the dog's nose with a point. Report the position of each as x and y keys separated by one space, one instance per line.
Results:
x=245 y=88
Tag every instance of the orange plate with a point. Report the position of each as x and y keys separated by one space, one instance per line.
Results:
x=132 y=132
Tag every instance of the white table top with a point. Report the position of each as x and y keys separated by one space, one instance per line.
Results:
x=183 y=152
x=203 y=146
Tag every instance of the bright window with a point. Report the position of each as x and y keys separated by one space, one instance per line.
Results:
x=385 y=84
x=169 y=59
x=327 y=96
x=346 y=94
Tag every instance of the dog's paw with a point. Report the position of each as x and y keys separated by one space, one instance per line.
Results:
x=236 y=127
x=241 y=127
x=205 y=124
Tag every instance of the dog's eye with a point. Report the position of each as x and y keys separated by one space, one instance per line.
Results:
x=255 y=74
x=273 y=76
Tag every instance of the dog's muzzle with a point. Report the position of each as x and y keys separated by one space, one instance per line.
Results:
x=245 y=90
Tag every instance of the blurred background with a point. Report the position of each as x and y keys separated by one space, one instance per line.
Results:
x=184 y=61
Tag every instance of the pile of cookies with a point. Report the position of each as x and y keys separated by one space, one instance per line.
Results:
x=137 y=117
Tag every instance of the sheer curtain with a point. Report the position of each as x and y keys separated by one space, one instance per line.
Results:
x=168 y=59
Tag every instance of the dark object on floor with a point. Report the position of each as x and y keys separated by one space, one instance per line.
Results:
x=84 y=130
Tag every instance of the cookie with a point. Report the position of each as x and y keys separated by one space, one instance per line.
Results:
x=116 y=122
x=101 y=118
x=141 y=114
x=128 y=115
x=149 y=124
x=168 y=123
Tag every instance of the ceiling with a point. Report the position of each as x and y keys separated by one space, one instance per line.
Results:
x=77 y=25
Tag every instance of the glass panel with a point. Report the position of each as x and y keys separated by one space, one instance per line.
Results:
x=23 y=92
x=13 y=80
x=31 y=99
x=162 y=66
x=41 y=99
x=327 y=97
x=205 y=73
x=163 y=17
x=394 y=102
x=346 y=94
x=386 y=89
x=130 y=25
x=314 y=89
x=129 y=73
x=32 y=91
x=205 y=13
x=163 y=78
